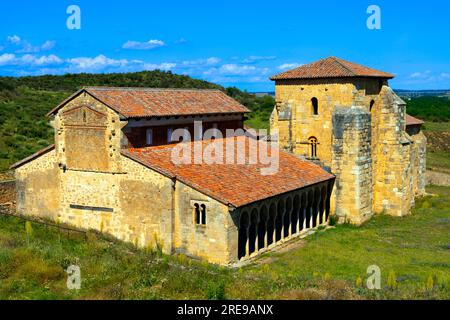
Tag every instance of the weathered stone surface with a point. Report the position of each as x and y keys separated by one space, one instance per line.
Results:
x=361 y=133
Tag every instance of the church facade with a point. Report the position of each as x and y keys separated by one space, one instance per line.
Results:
x=345 y=116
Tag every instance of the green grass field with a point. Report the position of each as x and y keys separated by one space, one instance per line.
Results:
x=412 y=251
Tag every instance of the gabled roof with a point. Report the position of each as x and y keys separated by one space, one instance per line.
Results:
x=151 y=102
x=232 y=184
x=331 y=67
x=32 y=157
x=411 y=121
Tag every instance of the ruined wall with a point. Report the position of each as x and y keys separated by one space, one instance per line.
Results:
x=210 y=241
x=39 y=188
x=352 y=164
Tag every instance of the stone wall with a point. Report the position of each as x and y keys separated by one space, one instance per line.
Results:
x=394 y=186
x=297 y=94
x=39 y=187
x=211 y=241
x=397 y=159
x=352 y=164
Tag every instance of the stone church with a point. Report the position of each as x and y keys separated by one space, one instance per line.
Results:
x=344 y=116
x=347 y=148
x=111 y=170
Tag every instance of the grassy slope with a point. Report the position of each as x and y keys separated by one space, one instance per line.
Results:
x=438 y=146
x=327 y=265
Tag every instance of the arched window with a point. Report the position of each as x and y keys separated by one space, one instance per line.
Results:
x=203 y=214
x=313 y=145
x=315 y=106
x=372 y=103
x=197 y=213
x=200 y=214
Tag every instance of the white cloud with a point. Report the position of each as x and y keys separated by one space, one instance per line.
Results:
x=288 y=66
x=201 y=62
x=14 y=39
x=98 y=62
x=48 y=45
x=162 y=66
x=180 y=41
x=151 y=44
x=420 y=75
x=445 y=75
x=48 y=60
x=232 y=69
x=27 y=47
x=29 y=60
x=6 y=58
x=253 y=59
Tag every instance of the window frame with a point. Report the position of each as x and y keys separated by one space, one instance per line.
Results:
x=199 y=213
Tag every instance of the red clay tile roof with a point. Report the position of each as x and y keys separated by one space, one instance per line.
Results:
x=32 y=157
x=233 y=184
x=331 y=67
x=411 y=121
x=151 y=102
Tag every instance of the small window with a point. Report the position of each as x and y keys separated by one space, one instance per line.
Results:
x=372 y=103
x=200 y=214
x=315 y=106
x=313 y=145
x=169 y=135
x=203 y=214
x=149 y=137
x=197 y=213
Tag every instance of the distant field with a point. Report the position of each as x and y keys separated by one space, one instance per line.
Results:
x=412 y=253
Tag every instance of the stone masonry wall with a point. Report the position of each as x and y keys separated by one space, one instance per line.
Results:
x=393 y=189
x=352 y=164
x=210 y=241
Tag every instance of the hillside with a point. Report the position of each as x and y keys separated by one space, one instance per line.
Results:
x=24 y=101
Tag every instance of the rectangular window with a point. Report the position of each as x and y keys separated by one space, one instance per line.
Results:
x=149 y=137
x=88 y=208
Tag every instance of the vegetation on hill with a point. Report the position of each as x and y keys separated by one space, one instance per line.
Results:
x=428 y=108
x=24 y=102
x=412 y=253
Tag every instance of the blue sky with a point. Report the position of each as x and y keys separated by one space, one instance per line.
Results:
x=233 y=43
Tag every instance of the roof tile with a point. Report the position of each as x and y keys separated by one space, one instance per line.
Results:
x=331 y=67
x=235 y=184
x=151 y=102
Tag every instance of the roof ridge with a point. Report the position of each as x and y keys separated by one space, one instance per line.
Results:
x=146 y=89
x=340 y=62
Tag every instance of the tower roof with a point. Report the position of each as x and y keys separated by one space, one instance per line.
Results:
x=331 y=67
